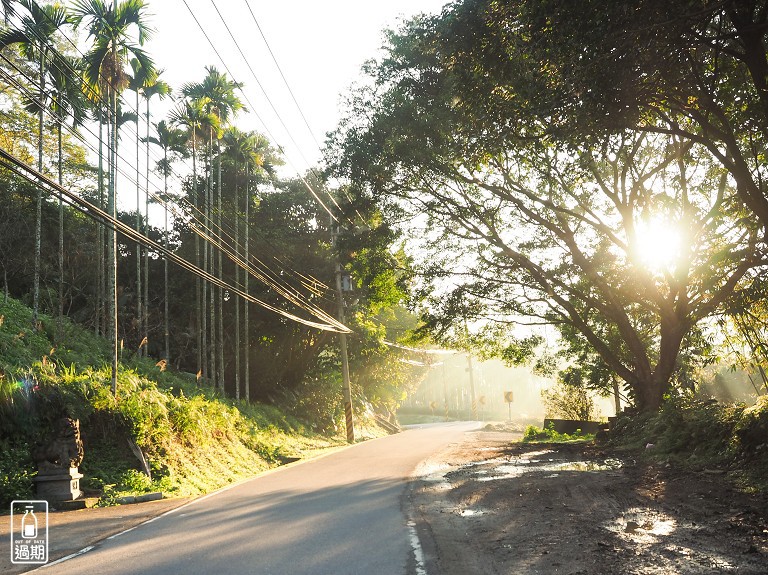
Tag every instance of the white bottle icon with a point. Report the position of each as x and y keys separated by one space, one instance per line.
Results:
x=29 y=524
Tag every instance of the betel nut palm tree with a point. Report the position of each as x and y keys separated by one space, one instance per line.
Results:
x=172 y=142
x=161 y=89
x=34 y=36
x=251 y=153
x=193 y=115
x=111 y=29
x=219 y=91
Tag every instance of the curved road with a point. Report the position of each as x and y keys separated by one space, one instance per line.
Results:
x=338 y=514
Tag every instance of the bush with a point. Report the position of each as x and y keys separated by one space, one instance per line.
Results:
x=15 y=473
x=700 y=434
x=535 y=434
x=752 y=428
x=569 y=402
x=194 y=439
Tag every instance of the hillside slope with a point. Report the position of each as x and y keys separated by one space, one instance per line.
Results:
x=193 y=439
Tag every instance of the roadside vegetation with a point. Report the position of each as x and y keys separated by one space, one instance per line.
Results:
x=535 y=434
x=702 y=435
x=487 y=175
x=191 y=437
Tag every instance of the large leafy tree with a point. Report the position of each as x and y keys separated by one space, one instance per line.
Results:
x=695 y=68
x=519 y=221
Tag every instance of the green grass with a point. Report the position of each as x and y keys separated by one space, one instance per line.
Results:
x=535 y=434
x=194 y=439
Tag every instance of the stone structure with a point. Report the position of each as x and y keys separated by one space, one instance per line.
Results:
x=57 y=477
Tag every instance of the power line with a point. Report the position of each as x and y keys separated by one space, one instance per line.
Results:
x=285 y=81
x=41 y=181
x=224 y=63
x=214 y=238
x=293 y=97
x=221 y=233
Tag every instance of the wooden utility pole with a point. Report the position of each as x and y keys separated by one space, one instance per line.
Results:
x=343 y=343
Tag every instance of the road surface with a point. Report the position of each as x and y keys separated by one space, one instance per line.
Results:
x=339 y=514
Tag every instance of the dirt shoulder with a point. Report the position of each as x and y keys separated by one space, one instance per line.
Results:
x=493 y=505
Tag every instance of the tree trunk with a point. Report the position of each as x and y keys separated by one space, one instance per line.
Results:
x=39 y=197
x=146 y=232
x=650 y=394
x=220 y=335
x=59 y=325
x=246 y=304
x=166 y=331
x=112 y=272
x=206 y=209
x=211 y=269
x=198 y=282
x=237 y=284
x=139 y=310
x=100 y=231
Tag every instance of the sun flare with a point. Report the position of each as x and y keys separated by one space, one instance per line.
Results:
x=658 y=244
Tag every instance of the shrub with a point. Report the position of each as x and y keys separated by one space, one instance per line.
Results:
x=15 y=475
x=752 y=428
x=569 y=402
x=536 y=434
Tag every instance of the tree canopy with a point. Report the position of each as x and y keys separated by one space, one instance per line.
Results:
x=503 y=132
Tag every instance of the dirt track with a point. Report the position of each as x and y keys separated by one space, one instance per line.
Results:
x=491 y=505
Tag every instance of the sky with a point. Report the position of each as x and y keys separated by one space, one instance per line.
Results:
x=319 y=45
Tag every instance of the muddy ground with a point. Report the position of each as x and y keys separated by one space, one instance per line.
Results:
x=493 y=505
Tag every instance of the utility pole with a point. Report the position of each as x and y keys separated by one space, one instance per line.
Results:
x=472 y=387
x=343 y=341
x=445 y=393
x=471 y=377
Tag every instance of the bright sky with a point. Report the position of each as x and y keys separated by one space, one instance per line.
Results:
x=320 y=46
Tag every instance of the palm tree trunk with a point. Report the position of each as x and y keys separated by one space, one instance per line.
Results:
x=139 y=310
x=220 y=276
x=198 y=282
x=146 y=233
x=61 y=238
x=237 y=284
x=247 y=374
x=100 y=231
x=211 y=269
x=206 y=209
x=112 y=274
x=39 y=197
x=166 y=331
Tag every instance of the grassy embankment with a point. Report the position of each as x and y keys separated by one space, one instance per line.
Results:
x=194 y=439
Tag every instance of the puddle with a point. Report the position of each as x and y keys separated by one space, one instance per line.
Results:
x=471 y=512
x=434 y=473
x=552 y=467
x=639 y=524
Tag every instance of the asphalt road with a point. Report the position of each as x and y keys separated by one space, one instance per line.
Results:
x=339 y=514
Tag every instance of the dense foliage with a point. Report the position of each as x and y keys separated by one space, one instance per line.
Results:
x=550 y=172
x=193 y=438
x=226 y=213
